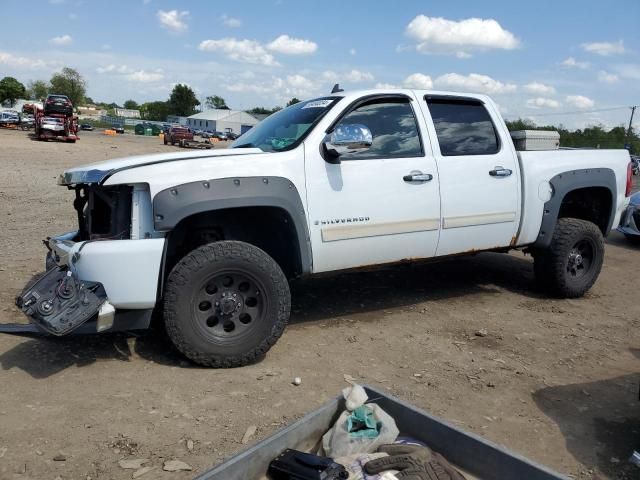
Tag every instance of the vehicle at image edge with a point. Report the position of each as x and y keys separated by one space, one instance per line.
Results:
x=87 y=127
x=210 y=239
x=58 y=104
x=630 y=219
x=177 y=135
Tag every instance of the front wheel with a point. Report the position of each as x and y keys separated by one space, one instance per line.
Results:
x=226 y=304
x=570 y=266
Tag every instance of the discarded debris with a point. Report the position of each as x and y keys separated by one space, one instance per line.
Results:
x=190 y=445
x=132 y=464
x=348 y=378
x=482 y=332
x=248 y=434
x=60 y=457
x=142 y=471
x=297 y=381
x=176 y=466
x=3 y=450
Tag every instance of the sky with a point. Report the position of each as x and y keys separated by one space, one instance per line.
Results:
x=575 y=63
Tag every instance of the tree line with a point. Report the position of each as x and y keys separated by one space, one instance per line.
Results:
x=181 y=102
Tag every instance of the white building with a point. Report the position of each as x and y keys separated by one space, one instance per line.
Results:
x=127 y=113
x=222 y=121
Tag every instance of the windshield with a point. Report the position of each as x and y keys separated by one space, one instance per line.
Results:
x=285 y=129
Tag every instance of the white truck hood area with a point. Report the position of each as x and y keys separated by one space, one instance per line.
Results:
x=98 y=172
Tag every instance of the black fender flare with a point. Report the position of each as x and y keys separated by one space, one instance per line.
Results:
x=566 y=182
x=176 y=203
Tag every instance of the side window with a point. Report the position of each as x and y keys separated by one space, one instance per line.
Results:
x=393 y=127
x=464 y=127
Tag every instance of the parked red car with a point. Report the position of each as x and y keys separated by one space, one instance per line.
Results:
x=178 y=135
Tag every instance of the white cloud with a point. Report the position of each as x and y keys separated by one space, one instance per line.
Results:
x=579 y=101
x=61 y=41
x=571 y=62
x=18 y=62
x=418 y=80
x=292 y=85
x=231 y=22
x=353 y=76
x=542 y=102
x=385 y=85
x=247 y=51
x=439 y=35
x=604 y=48
x=113 y=68
x=173 y=20
x=352 y=51
x=143 y=76
x=473 y=83
x=287 y=45
x=606 y=77
x=357 y=76
x=539 y=88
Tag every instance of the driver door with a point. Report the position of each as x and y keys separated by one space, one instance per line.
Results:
x=378 y=205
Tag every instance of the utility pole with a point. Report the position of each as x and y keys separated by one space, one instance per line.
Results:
x=628 y=145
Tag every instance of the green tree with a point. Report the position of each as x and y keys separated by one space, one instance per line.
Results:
x=11 y=90
x=264 y=111
x=182 y=101
x=216 y=102
x=155 y=111
x=70 y=83
x=37 y=90
x=131 y=105
x=293 y=101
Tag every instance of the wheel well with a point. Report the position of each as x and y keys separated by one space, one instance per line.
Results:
x=590 y=203
x=268 y=228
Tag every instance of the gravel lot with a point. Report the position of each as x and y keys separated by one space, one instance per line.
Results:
x=554 y=380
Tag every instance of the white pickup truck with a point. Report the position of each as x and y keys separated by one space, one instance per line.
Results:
x=210 y=239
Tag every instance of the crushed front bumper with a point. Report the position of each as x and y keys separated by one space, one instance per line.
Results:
x=59 y=303
x=105 y=284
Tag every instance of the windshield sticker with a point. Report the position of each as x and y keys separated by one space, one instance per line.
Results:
x=318 y=104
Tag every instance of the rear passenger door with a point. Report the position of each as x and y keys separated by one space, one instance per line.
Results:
x=478 y=173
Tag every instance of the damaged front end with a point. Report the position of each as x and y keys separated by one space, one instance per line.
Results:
x=59 y=303
x=102 y=276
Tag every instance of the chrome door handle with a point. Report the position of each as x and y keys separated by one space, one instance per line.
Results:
x=499 y=171
x=418 y=177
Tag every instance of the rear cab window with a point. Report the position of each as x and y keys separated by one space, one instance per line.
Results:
x=463 y=126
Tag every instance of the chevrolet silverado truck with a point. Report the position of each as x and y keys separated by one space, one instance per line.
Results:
x=210 y=239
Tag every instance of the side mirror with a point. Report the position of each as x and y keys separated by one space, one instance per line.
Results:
x=347 y=138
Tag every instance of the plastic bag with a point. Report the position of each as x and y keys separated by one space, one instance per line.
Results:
x=338 y=441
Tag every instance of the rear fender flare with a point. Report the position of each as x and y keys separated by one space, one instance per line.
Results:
x=566 y=182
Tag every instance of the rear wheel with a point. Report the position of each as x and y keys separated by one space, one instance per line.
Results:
x=226 y=304
x=571 y=264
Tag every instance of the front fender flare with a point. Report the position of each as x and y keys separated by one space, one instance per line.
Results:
x=174 y=204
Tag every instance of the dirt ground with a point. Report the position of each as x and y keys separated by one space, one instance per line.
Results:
x=553 y=380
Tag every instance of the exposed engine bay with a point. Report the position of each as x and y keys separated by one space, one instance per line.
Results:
x=104 y=213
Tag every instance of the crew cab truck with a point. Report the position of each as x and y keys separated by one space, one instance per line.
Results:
x=352 y=179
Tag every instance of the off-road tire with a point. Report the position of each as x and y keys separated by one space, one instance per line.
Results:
x=552 y=265
x=184 y=289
